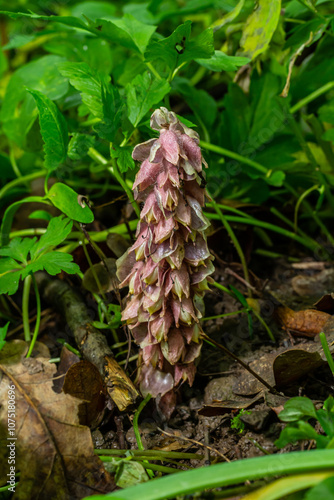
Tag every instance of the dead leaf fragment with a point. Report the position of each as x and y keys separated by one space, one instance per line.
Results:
x=54 y=454
x=221 y=407
x=106 y=275
x=307 y=323
x=294 y=364
x=326 y=303
x=83 y=381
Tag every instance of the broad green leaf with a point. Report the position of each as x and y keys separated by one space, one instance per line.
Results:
x=40 y=214
x=18 y=248
x=139 y=32
x=53 y=130
x=53 y=263
x=124 y=158
x=142 y=94
x=94 y=10
x=57 y=231
x=10 y=273
x=19 y=110
x=79 y=145
x=222 y=62
x=326 y=420
x=296 y=409
x=130 y=473
x=299 y=431
x=178 y=48
x=260 y=27
x=3 y=333
x=276 y=178
x=88 y=82
x=69 y=202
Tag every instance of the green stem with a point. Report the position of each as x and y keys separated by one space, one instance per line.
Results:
x=153 y=70
x=38 y=317
x=223 y=289
x=314 y=95
x=235 y=241
x=14 y=164
x=21 y=180
x=115 y=171
x=152 y=454
x=226 y=474
x=327 y=352
x=299 y=201
x=25 y=307
x=136 y=427
x=264 y=324
x=224 y=315
x=312 y=245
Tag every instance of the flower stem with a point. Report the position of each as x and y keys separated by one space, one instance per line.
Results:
x=25 y=307
x=38 y=317
x=236 y=243
x=327 y=352
x=136 y=428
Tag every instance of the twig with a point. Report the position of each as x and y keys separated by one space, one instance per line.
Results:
x=195 y=442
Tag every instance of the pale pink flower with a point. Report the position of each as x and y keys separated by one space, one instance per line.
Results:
x=168 y=267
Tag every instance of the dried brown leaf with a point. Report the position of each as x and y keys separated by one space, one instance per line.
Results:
x=54 y=454
x=307 y=323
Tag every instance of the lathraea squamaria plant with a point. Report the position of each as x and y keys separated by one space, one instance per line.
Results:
x=168 y=267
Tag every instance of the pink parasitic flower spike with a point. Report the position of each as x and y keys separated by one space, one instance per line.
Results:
x=168 y=268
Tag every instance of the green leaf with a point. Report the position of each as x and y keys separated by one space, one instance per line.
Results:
x=276 y=178
x=323 y=490
x=130 y=473
x=124 y=157
x=326 y=420
x=10 y=273
x=178 y=48
x=202 y=104
x=260 y=27
x=3 y=333
x=19 y=110
x=297 y=408
x=112 y=109
x=228 y=18
x=73 y=22
x=18 y=248
x=88 y=82
x=94 y=10
x=53 y=130
x=68 y=201
x=222 y=62
x=139 y=32
x=53 y=263
x=18 y=40
x=143 y=93
x=57 y=231
x=79 y=145
x=302 y=34
x=299 y=431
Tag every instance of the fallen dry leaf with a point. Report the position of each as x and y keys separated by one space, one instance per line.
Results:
x=54 y=454
x=294 y=364
x=326 y=303
x=221 y=407
x=307 y=323
x=84 y=381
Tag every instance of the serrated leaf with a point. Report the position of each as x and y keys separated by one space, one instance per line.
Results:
x=178 y=48
x=143 y=93
x=259 y=28
x=53 y=263
x=68 y=201
x=57 y=231
x=18 y=248
x=19 y=109
x=88 y=82
x=53 y=129
x=10 y=273
x=139 y=32
x=222 y=62
x=73 y=22
x=79 y=145
x=124 y=158
x=112 y=110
